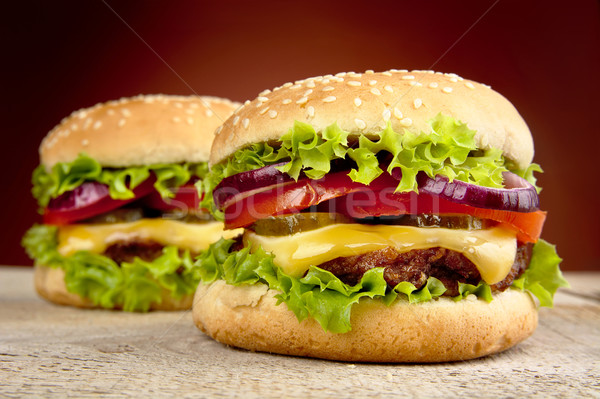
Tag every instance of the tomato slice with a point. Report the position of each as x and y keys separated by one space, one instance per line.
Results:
x=186 y=199
x=337 y=193
x=89 y=199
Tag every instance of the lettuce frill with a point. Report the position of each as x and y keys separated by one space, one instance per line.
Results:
x=449 y=150
x=66 y=176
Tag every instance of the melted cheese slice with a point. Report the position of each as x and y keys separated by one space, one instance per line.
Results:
x=491 y=250
x=97 y=237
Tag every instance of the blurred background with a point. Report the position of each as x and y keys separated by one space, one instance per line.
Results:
x=543 y=56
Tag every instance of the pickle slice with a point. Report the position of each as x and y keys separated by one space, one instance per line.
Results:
x=463 y=222
x=295 y=223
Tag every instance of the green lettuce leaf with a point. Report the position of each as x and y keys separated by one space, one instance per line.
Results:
x=543 y=276
x=66 y=176
x=449 y=150
x=133 y=286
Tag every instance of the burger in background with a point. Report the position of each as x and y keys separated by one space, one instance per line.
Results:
x=387 y=217
x=117 y=189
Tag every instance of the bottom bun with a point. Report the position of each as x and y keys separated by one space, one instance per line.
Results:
x=50 y=285
x=436 y=331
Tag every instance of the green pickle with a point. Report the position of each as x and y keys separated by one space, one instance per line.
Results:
x=306 y=221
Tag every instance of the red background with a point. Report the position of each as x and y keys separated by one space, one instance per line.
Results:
x=544 y=56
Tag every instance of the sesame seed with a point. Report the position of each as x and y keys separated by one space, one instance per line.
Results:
x=126 y=113
x=486 y=86
x=176 y=119
x=273 y=114
x=246 y=102
x=325 y=81
x=262 y=111
x=311 y=111
x=264 y=92
x=369 y=71
x=303 y=100
x=397 y=113
x=470 y=85
x=375 y=91
x=389 y=89
x=97 y=125
x=417 y=103
x=386 y=115
x=82 y=114
x=286 y=101
x=208 y=113
x=190 y=120
x=263 y=99
x=189 y=111
x=372 y=82
x=354 y=83
x=386 y=73
x=360 y=123
x=328 y=88
x=178 y=105
x=296 y=86
x=87 y=123
x=357 y=102
x=74 y=127
x=454 y=80
x=193 y=105
x=447 y=89
x=110 y=112
x=288 y=84
x=329 y=99
x=245 y=123
x=85 y=142
x=236 y=119
x=121 y=122
x=408 y=77
x=433 y=85
x=307 y=92
x=406 y=122
x=341 y=74
x=311 y=84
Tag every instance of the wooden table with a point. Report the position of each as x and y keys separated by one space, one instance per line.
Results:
x=54 y=351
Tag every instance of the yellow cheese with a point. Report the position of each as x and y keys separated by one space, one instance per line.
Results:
x=97 y=237
x=491 y=250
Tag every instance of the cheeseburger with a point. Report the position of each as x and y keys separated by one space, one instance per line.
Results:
x=117 y=189
x=388 y=217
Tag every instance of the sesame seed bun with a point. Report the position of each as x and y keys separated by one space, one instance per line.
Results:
x=140 y=130
x=50 y=285
x=442 y=330
x=364 y=103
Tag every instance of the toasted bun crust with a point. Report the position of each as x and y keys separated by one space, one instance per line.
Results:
x=363 y=103
x=139 y=131
x=437 y=331
x=50 y=284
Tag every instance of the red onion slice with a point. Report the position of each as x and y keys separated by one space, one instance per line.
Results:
x=248 y=181
x=518 y=195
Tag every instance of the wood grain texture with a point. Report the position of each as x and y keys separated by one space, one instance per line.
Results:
x=53 y=351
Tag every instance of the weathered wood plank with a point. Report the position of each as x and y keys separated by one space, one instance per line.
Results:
x=54 y=351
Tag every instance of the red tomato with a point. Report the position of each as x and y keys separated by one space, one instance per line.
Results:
x=186 y=198
x=359 y=201
x=89 y=199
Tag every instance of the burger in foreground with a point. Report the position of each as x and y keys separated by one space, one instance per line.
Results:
x=388 y=217
x=116 y=186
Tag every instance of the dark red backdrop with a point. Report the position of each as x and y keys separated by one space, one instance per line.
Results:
x=544 y=56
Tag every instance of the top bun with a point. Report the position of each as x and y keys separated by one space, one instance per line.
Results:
x=141 y=130
x=364 y=103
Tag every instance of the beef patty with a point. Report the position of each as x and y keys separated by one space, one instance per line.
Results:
x=416 y=266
